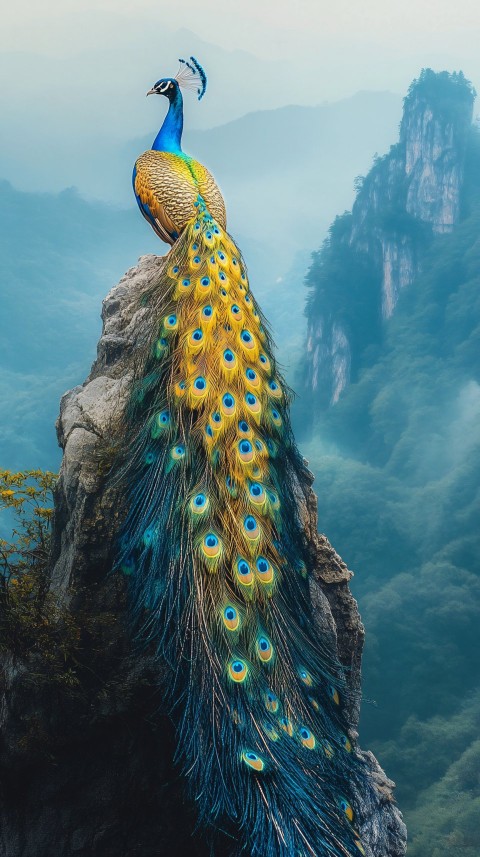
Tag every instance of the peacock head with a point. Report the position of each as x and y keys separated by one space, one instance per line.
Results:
x=189 y=76
x=167 y=86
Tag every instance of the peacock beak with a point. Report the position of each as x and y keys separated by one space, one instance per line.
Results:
x=152 y=92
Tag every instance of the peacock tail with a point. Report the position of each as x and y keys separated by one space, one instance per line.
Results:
x=214 y=548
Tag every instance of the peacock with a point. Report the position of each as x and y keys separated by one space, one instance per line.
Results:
x=213 y=542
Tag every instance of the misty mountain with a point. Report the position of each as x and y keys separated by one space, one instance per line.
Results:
x=397 y=463
x=61 y=253
x=92 y=145
x=58 y=256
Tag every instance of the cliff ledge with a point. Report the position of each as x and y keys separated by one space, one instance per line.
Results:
x=89 y=773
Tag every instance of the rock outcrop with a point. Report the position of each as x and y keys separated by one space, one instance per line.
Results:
x=90 y=773
x=410 y=194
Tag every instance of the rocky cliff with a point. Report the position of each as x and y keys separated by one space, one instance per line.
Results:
x=410 y=194
x=87 y=770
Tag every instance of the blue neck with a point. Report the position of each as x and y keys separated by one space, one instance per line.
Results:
x=169 y=138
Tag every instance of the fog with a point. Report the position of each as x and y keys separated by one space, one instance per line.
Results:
x=73 y=76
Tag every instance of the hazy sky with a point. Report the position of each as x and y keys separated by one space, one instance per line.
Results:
x=272 y=27
x=331 y=49
x=73 y=73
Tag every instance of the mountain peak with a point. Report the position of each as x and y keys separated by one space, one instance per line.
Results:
x=409 y=195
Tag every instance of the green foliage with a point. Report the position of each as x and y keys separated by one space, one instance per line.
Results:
x=438 y=817
x=446 y=820
x=398 y=469
x=34 y=625
x=59 y=640
x=446 y=90
x=26 y=493
x=53 y=279
x=344 y=282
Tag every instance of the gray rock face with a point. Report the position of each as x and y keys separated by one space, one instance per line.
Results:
x=411 y=192
x=329 y=355
x=434 y=157
x=99 y=781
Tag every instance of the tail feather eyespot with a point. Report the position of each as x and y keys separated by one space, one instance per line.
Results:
x=176 y=456
x=245 y=451
x=287 y=725
x=252 y=403
x=328 y=749
x=128 y=566
x=274 y=501
x=252 y=378
x=199 y=504
x=211 y=549
x=195 y=340
x=235 y=314
x=180 y=388
x=276 y=418
x=234 y=266
x=274 y=389
x=231 y=618
x=257 y=494
x=228 y=405
x=206 y=313
x=162 y=423
x=184 y=285
x=253 y=760
x=272 y=447
x=305 y=676
x=170 y=323
x=211 y=545
x=243 y=572
x=260 y=447
x=203 y=285
x=346 y=808
x=270 y=732
x=195 y=262
x=333 y=694
x=244 y=428
x=161 y=347
x=173 y=271
x=247 y=340
x=265 y=362
x=250 y=525
x=222 y=258
x=229 y=360
x=264 y=649
x=272 y=703
x=209 y=238
x=264 y=570
x=199 y=389
x=223 y=280
x=148 y=536
x=307 y=738
x=238 y=670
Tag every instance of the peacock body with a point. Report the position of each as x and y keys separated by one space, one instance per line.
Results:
x=213 y=542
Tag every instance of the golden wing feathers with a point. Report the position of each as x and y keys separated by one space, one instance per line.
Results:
x=167 y=187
